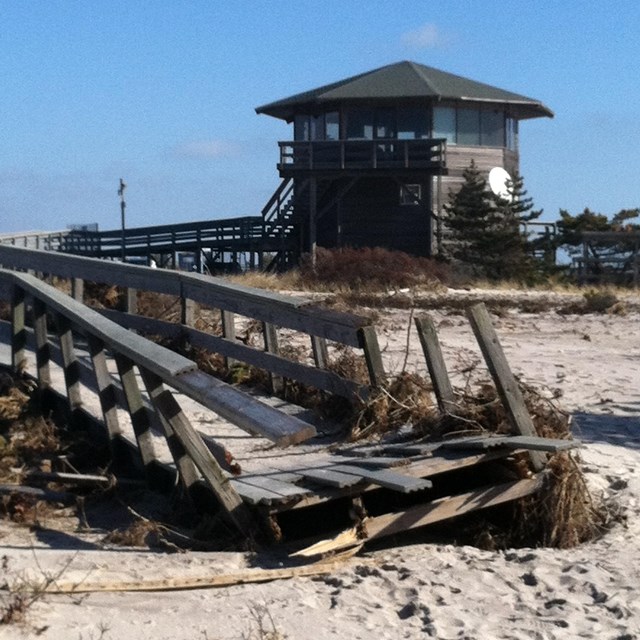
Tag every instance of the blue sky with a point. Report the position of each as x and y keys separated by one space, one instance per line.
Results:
x=162 y=94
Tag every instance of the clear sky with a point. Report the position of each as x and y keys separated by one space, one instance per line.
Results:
x=162 y=93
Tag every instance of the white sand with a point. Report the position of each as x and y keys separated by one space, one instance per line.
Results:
x=418 y=590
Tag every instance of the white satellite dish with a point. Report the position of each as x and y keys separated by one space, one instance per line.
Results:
x=498 y=179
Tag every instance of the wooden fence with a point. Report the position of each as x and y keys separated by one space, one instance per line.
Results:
x=273 y=310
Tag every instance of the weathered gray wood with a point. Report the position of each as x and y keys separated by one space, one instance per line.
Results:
x=70 y=362
x=77 y=289
x=43 y=349
x=328 y=476
x=542 y=444
x=140 y=419
x=531 y=443
x=320 y=352
x=435 y=363
x=131 y=304
x=386 y=478
x=505 y=381
x=283 y=491
x=228 y=332
x=369 y=342
x=18 y=328
x=246 y=412
x=188 y=311
x=66 y=478
x=106 y=389
x=254 y=495
x=271 y=346
x=450 y=507
x=154 y=357
x=320 y=379
x=186 y=468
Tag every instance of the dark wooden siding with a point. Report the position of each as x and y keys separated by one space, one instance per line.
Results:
x=370 y=215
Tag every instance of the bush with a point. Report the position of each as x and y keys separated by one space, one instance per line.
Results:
x=370 y=268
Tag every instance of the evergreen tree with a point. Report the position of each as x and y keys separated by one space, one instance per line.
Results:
x=486 y=229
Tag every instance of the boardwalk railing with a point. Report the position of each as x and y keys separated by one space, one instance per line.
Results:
x=272 y=310
x=232 y=234
x=158 y=367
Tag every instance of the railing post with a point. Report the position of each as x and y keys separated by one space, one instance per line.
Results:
x=373 y=357
x=43 y=349
x=77 y=289
x=18 y=329
x=140 y=420
x=70 y=363
x=435 y=363
x=506 y=384
x=106 y=390
x=186 y=468
x=271 y=346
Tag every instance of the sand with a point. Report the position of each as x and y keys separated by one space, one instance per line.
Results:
x=413 y=589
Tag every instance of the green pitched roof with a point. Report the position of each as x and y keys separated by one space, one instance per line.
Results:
x=405 y=80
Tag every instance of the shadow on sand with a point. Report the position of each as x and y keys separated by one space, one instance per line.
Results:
x=623 y=431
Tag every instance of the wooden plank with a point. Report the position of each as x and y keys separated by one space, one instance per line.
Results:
x=228 y=332
x=77 y=289
x=320 y=352
x=271 y=346
x=369 y=342
x=551 y=445
x=267 y=490
x=385 y=478
x=241 y=409
x=331 y=478
x=505 y=381
x=435 y=363
x=235 y=350
x=450 y=507
x=43 y=349
x=140 y=419
x=188 y=310
x=482 y=443
x=18 y=328
x=154 y=357
x=186 y=469
x=452 y=460
x=71 y=368
x=106 y=390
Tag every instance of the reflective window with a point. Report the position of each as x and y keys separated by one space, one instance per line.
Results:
x=468 y=126
x=317 y=127
x=360 y=124
x=492 y=128
x=332 y=125
x=301 y=128
x=444 y=123
x=385 y=123
x=412 y=124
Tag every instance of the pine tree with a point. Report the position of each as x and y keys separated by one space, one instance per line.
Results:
x=486 y=229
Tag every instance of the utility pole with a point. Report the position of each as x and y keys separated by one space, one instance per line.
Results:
x=123 y=206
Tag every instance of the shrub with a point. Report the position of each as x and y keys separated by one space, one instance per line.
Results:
x=371 y=268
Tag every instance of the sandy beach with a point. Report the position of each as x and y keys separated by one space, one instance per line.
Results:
x=408 y=589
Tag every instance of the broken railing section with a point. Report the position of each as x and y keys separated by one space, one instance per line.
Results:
x=274 y=311
x=506 y=383
x=158 y=367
